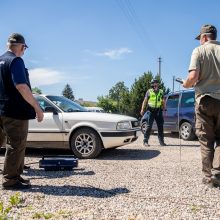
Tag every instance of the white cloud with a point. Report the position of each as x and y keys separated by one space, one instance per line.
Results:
x=115 y=53
x=44 y=76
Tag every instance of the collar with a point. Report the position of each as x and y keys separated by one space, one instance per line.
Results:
x=212 y=42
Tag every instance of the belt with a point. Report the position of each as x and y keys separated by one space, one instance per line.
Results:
x=153 y=109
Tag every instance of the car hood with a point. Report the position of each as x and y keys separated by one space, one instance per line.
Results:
x=98 y=116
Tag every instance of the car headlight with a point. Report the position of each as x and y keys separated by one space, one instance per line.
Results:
x=123 y=125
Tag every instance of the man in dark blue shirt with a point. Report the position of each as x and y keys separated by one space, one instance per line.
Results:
x=17 y=106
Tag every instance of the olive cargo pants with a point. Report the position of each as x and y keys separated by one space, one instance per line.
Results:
x=208 y=133
x=16 y=131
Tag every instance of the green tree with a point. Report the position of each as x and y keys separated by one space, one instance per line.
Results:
x=121 y=100
x=68 y=92
x=119 y=93
x=125 y=102
x=36 y=90
x=107 y=104
x=138 y=91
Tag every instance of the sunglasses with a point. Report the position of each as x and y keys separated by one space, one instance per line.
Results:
x=25 y=46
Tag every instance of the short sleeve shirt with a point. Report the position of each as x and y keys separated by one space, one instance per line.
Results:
x=18 y=72
x=206 y=59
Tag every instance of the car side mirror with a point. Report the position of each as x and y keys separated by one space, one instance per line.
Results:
x=51 y=109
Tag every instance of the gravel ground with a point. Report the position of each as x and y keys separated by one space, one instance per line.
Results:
x=130 y=183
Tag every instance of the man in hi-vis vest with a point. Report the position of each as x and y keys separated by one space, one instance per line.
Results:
x=154 y=102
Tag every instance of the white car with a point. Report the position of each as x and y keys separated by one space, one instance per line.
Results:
x=94 y=109
x=66 y=124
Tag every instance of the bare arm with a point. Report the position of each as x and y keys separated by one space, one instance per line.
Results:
x=144 y=104
x=27 y=95
x=191 y=79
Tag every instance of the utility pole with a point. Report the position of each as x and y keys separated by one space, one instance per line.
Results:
x=173 y=82
x=159 y=73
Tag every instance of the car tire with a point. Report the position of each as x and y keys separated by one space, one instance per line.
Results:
x=86 y=143
x=186 y=131
x=143 y=127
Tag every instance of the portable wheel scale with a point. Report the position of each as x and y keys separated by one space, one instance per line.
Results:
x=58 y=162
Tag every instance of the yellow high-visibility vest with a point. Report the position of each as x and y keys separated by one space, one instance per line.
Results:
x=155 y=99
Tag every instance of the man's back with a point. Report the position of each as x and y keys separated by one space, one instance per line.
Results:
x=209 y=66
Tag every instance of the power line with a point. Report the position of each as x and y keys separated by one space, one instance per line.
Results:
x=132 y=18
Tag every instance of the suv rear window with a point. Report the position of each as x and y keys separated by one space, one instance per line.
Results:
x=188 y=99
x=172 y=101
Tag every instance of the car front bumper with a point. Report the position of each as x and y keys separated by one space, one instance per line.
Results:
x=119 y=138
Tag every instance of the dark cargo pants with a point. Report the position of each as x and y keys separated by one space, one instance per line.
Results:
x=156 y=115
x=208 y=132
x=16 y=131
x=2 y=138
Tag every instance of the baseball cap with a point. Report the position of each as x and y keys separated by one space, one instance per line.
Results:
x=154 y=81
x=16 y=38
x=207 y=29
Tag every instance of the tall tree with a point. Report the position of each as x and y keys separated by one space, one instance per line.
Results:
x=118 y=93
x=138 y=91
x=107 y=104
x=68 y=92
x=121 y=100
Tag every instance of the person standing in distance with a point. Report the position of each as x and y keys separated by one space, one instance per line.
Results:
x=155 y=103
x=204 y=75
x=17 y=106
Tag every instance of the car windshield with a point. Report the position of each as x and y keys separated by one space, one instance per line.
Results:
x=65 y=104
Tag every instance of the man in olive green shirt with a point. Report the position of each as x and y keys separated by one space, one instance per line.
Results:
x=204 y=75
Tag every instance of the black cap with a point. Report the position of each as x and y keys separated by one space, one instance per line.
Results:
x=207 y=29
x=16 y=38
x=154 y=81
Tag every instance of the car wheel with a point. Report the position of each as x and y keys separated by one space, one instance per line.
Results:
x=186 y=131
x=85 y=143
x=143 y=127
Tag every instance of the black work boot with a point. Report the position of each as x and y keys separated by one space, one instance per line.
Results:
x=162 y=143
x=208 y=181
x=216 y=180
x=26 y=167
x=23 y=180
x=145 y=143
x=17 y=186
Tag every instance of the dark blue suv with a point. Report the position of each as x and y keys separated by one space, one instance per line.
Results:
x=179 y=114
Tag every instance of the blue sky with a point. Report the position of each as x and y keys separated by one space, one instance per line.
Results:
x=93 y=44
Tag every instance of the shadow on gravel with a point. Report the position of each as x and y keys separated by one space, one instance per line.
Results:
x=183 y=145
x=174 y=135
x=128 y=154
x=68 y=190
x=42 y=174
x=39 y=152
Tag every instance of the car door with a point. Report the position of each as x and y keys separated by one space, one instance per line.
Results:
x=187 y=107
x=171 y=112
x=50 y=130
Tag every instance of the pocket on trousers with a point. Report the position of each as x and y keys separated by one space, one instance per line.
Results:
x=198 y=127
